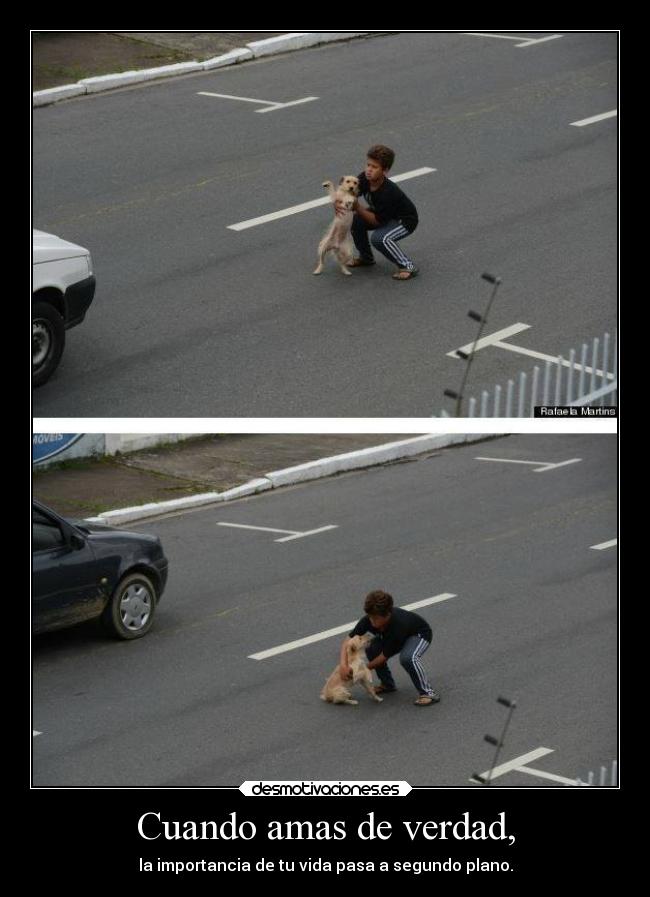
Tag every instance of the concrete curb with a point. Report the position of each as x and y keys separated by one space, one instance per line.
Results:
x=284 y=43
x=301 y=473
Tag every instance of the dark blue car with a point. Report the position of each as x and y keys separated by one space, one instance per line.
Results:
x=83 y=570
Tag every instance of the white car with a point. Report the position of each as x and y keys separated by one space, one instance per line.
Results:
x=63 y=286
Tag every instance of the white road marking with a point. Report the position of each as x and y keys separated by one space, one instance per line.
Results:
x=498 y=340
x=284 y=105
x=594 y=118
x=545 y=465
x=227 y=96
x=338 y=630
x=539 y=40
x=311 y=532
x=312 y=203
x=272 y=106
x=525 y=42
x=542 y=774
x=519 y=765
x=516 y=763
x=292 y=533
x=604 y=545
x=35 y=733
x=491 y=340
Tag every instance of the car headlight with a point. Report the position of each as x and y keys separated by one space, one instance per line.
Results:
x=89 y=262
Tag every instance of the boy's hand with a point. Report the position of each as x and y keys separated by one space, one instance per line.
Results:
x=346 y=672
x=339 y=209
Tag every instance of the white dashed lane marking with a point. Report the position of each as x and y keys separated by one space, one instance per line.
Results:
x=603 y=545
x=312 y=203
x=339 y=630
x=594 y=118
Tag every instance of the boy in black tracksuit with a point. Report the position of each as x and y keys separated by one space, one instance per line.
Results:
x=390 y=215
x=397 y=631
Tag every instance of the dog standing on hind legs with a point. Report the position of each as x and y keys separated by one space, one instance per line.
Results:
x=335 y=690
x=338 y=238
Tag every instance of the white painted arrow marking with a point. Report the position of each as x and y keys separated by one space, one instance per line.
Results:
x=541 y=465
x=270 y=104
x=519 y=765
x=525 y=42
x=292 y=534
x=498 y=339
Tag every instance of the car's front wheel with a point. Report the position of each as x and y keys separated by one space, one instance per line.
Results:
x=48 y=340
x=130 y=612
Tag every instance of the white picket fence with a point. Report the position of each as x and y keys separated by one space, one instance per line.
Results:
x=592 y=380
x=607 y=777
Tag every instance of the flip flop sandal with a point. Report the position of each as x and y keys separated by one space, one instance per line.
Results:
x=405 y=274
x=425 y=701
x=359 y=263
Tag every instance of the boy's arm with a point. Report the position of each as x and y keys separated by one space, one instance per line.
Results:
x=378 y=661
x=368 y=216
x=365 y=214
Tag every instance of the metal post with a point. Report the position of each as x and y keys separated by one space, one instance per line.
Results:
x=614 y=772
x=534 y=388
x=497 y=400
x=583 y=365
x=594 y=362
x=472 y=407
x=605 y=378
x=558 y=380
x=484 y=402
x=511 y=387
x=496 y=281
x=522 y=394
x=569 y=384
x=547 y=382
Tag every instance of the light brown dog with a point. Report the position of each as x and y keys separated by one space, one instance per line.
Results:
x=338 y=239
x=335 y=690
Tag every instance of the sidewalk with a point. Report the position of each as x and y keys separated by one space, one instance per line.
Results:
x=205 y=464
x=65 y=57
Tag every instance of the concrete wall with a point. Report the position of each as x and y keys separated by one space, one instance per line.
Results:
x=53 y=448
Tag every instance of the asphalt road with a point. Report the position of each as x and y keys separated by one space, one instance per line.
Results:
x=194 y=319
x=533 y=617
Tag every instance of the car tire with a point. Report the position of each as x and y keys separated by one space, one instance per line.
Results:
x=130 y=612
x=48 y=341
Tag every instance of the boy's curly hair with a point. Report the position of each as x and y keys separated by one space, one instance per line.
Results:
x=382 y=154
x=378 y=603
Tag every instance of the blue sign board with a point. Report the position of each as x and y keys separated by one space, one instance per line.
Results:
x=46 y=445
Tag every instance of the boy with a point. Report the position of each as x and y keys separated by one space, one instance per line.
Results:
x=390 y=215
x=397 y=631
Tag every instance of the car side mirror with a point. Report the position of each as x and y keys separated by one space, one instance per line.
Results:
x=75 y=540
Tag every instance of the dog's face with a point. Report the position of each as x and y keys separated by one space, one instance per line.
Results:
x=359 y=643
x=349 y=185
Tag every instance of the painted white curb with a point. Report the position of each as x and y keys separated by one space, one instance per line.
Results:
x=107 y=82
x=53 y=94
x=300 y=40
x=230 y=58
x=325 y=467
x=250 y=488
x=153 y=509
x=379 y=454
x=296 y=40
